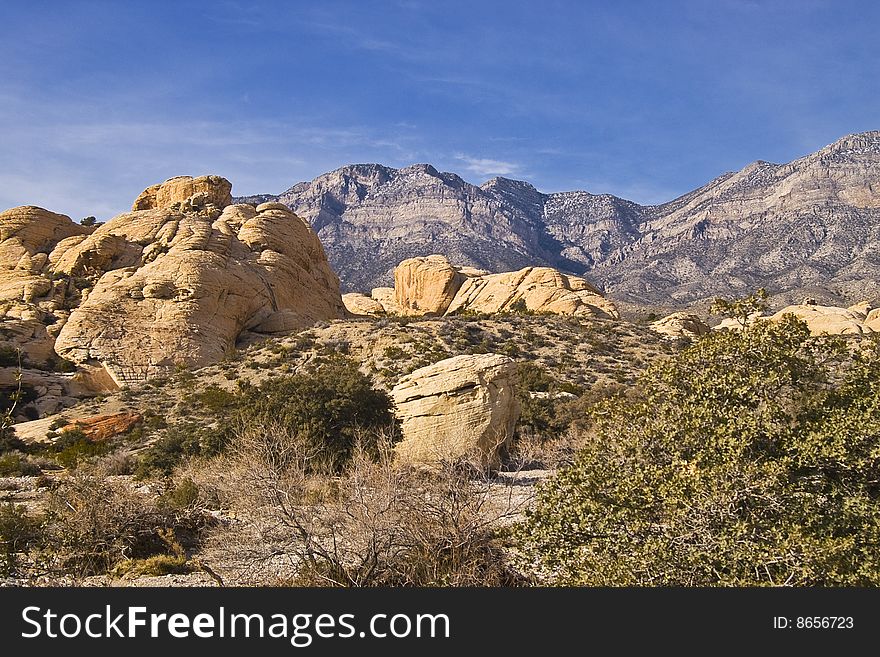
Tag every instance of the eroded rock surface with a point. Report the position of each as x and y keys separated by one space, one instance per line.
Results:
x=460 y=407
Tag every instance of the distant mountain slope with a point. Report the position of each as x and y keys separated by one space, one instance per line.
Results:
x=810 y=225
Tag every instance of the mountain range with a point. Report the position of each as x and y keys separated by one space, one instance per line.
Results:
x=808 y=227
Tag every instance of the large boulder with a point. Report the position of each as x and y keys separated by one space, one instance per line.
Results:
x=872 y=321
x=535 y=289
x=176 y=287
x=385 y=297
x=196 y=192
x=33 y=302
x=862 y=309
x=680 y=325
x=101 y=427
x=426 y=286
x=461 y=407
x=432 y=286
x=826 y=320
x=360 y=304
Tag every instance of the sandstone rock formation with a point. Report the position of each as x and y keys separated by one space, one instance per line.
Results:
x=862 y=309
x=102 y=427
x=457 y=408
x=199 y=192
x=385 y=297
x=426 y=286
x=177 y=287
x=360 y=304
x=872 y=321
x=432 y=286
x=808 y=224
x=535 y=289
x=826 y=320
x=174 y=282
x=680 y=325
x=32 y=300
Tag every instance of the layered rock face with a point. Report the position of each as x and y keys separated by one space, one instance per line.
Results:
x=433 y=286
x=812 y=226
x=371 y=217
x=204 y=190
x=859 y=319
x=461 y=407
x=826 y=320
x=179 y=287
x=33 y=302
x=102 y=427
x=172 y=283
x=681 y=325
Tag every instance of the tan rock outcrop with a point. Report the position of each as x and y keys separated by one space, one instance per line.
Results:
x=360 y=304
x=536 y=289
x=680 y=325
x=199 y=192
x=177 y=288
x=862 y=308
x=385 y=297
x=431 y=285
x=736 y=324
x=460 y=407
x=426 y=286
x=31 y=300
x=826 y=320
x=872 y=321
x=102 y=427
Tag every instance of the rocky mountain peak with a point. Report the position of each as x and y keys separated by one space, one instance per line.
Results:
x=813 y=223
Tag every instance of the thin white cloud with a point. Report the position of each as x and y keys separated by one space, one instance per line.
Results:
x=488 y=167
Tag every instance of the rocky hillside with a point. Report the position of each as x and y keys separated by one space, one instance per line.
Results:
x=173 y=283
x=811 y=226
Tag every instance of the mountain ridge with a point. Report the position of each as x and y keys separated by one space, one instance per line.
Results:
x=809 y=226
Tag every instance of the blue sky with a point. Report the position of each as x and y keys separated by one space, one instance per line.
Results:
x=645 y=100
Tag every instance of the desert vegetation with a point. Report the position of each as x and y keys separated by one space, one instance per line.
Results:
x=744 y=457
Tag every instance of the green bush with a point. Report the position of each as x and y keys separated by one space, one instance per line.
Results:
x=11 y=356
x=72 y=447
x=17 y=465
x=18 y=533
x=330 y=409
x=186 y=439
x=213 y=399
x=751 y=458
x=182 y=496
x=547 y=417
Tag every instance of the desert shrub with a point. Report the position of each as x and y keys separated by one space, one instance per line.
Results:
x=94 y=524
x=118 y=463
x=548 y=416
x=213 y=399
x=375 y=524
x=182 y=440
x=59 y=364
x=17 y=397
x=18 y=533
x=13 y=464
x=10 y=356
x=328 y=409
x=72 y=447
x=394 y=352
x=58 y=422
x=748 y=459
x=181 y=496
x=9 y=442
